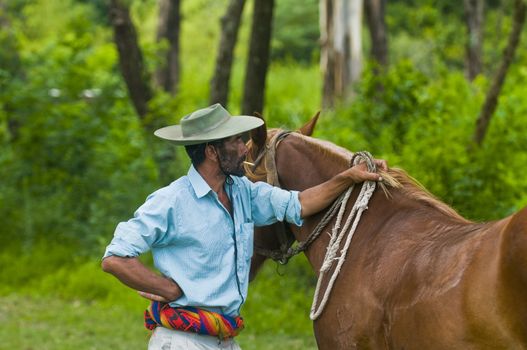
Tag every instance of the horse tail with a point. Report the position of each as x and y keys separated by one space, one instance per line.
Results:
x=513 y=271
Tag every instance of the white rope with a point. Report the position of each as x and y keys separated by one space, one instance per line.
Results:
x=361 y=204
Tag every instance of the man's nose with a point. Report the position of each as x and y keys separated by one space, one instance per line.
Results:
x=244 y=148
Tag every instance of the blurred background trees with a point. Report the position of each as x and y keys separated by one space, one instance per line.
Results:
x=84 y=83
x=230 y=24
x=436 y=87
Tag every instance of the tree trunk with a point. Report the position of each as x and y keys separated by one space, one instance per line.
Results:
x=327 y=54
x=474 y=21
x=10 y=61
x=491 y=100
x=341 y=48
x=167 y=75
x=258 y=58
x=355 y=10
x=230 y=23
x=375 y=10
x=130 y=57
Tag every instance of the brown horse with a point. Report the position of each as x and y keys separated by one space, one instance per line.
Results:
x=417 y=274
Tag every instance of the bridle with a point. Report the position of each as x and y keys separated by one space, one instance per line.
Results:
x=284 y=234
x=283 y=231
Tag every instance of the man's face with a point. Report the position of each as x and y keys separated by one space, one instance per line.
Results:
x=231 y=154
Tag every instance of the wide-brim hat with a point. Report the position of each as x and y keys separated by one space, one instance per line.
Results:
x=207 y=124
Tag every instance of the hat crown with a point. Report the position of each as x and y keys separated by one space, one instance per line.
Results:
x=204 y=120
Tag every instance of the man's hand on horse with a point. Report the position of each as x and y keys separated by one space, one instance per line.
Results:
x=360 y=173
x=381 y=164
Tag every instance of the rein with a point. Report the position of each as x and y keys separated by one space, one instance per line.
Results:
x=284 y=234
x=339 y=205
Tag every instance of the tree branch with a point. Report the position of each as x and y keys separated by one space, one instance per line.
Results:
x=491 y=100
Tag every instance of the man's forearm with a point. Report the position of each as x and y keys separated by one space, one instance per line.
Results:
x=318 y=197
x=136 y=275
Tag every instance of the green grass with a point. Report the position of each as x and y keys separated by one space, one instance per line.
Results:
x=50 y=301
x=45 y=323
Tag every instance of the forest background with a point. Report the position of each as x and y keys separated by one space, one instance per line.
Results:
x=76 y=158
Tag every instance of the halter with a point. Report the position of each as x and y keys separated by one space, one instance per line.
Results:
x=286 y=251
x=283 y=232
x=339 y=205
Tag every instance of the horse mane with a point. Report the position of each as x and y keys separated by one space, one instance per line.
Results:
x=415 y=190
x=395 y=178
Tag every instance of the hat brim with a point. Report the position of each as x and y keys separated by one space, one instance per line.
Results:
x=232 y=126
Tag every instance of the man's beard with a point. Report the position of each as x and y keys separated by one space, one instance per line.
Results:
x=231 y=166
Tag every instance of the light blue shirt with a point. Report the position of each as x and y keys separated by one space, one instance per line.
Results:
x=192 y=236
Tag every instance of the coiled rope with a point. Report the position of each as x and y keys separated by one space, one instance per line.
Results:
x=361 y=204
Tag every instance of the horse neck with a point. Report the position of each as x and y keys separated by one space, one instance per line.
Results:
x=303 y=162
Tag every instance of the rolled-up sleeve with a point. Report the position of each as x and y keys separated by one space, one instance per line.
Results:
x=148 y=227
x=271 y=204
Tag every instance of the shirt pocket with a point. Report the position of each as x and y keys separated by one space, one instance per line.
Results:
x=248 y=233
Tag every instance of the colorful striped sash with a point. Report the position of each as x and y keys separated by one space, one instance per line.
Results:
x=192 y=319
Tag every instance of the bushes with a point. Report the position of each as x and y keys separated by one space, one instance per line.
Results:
x=74 y=159
x=68 y=118
x=426 y=127
x=280 y=298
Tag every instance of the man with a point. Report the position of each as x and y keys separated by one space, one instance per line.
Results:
x=200 y=230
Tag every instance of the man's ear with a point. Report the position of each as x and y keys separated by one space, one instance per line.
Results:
x=211 y=152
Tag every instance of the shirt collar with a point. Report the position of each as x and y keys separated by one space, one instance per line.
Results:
x=201 y=188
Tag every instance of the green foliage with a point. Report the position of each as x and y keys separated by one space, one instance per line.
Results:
x=295 y=95
x=426 y=126
x=427 y=34
x=265 y=308
x=498 y=25
x=296 y=32
x=75 y=159
x=69 y=117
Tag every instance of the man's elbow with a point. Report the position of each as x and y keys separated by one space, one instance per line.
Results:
x=108 y=264
x=305 y=210
x=303 y=205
